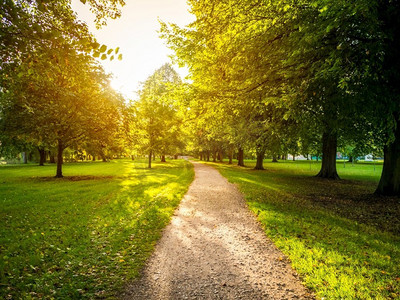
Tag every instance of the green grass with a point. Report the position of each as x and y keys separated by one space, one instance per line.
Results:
x=343 y=241
x=85 y=235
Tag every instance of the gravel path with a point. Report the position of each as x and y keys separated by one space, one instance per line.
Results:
x=215 y=249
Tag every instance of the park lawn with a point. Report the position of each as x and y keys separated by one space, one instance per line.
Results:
x=85 y=235
x=343 y=241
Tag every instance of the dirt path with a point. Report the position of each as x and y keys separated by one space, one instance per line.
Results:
x=215 y=249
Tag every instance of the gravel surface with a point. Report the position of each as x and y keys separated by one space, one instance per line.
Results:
x=214 y=248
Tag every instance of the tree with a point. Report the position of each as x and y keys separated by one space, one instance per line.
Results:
x=155 y=118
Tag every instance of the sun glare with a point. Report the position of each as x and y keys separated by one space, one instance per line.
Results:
x=135 y=32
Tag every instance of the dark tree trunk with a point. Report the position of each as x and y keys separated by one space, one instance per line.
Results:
x=351 y=159
x=201 y=156
x=52 y=158
x=208 y=155
x=42 y=156
x=389 y=184
x=163 y=158
x=60 y=150
x=220 y=156
x=279 y=156
x=103 y=157
x=150 y=155
x=329 y=146
x=294 y=157
x=215 y=156
x=93 y=157
x=240 y=157
x=176 y=156
x=274 y=158
x=230 y=157
x=260 y=161
x=154 y=156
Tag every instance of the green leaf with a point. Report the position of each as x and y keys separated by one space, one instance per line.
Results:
x=116 y=50
x=112 y=58
x=103 y=48
x=120 y=57
x=109 y=51
x=104 y=56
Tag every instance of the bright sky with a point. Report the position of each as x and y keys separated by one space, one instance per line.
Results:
x=136 y=35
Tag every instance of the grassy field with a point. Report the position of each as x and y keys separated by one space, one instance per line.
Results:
x=87 y=234
x=343 y=241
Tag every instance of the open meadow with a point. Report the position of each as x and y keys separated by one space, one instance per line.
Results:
x=84 y=235
x=343 y=241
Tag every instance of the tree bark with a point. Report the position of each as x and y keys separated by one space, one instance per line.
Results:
x=42 y=156
x=240 y=157
x=163 y=158
x=274 y=158
x=294 y=157
x=350 y=159
x=389 y=184
x=60 y=150
x=150 y=156
x=215 y=156
x=260 y=161
x=329 y=147
x=208 y=155
x=154 y=156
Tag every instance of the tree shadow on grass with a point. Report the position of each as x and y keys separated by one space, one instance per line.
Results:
x=75 y=178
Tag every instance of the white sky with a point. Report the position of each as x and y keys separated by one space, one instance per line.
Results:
x=135 y=32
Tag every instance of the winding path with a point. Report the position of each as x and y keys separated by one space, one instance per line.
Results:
x=214 y=248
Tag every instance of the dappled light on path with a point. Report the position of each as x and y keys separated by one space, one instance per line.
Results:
x=214 y=248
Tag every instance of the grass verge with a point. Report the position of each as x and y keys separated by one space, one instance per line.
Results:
x=343 y=241
x=87 y=234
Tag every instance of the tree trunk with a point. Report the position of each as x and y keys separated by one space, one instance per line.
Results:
x=42 y=156
x=60 y=150
x=163 y=158
x=260 y=161
x=201 y=156
x=215 y=156
x=329 y=146
x=294 y=157
x=389 y=184
x=230 y=157
x=176 y=156
x=52 y=158
x=350 y=158
x=150 y=155
x=208 y=155
x=24 y=158
x=154 y=156
x=240 y=157
x=274 y=158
